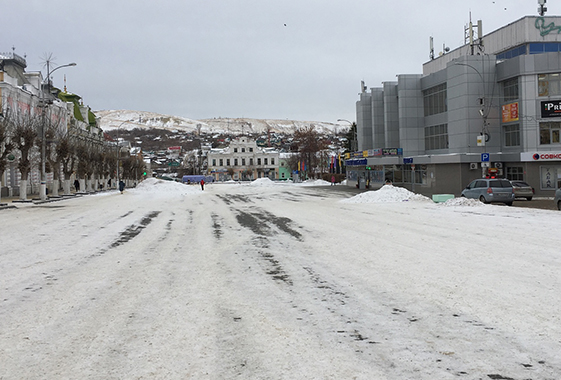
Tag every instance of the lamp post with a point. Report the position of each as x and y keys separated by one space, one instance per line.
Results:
x=484 y=136
x=46 y=100
x=119 y=151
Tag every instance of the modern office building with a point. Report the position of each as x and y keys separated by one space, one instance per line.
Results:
x=491 y=107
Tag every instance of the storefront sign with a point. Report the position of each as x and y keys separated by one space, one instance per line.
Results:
x=356 y=162
x=392 y=152
x=551 y=108
x=510 y=112
x=547 y=178
x=544 y=156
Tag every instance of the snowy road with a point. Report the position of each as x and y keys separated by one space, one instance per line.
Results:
x=277 y=282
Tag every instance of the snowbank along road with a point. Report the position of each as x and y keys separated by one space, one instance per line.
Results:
x=267 y=281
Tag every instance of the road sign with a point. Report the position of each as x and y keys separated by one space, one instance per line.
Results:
x=485 y=157
x=407 y=160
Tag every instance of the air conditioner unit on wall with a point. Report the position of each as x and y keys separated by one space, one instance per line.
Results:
x=473 y=165
x=499 y=165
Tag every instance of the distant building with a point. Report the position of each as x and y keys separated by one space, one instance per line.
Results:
x=243 y=160
x=491 y=107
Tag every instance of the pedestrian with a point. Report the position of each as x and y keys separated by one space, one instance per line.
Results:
x=77 y=185
x=202 y=184
x=332 y=180
x=121 y=186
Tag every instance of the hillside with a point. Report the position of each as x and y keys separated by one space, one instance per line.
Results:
x=128 y=120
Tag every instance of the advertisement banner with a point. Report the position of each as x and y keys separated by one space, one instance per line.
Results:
x=510 y=112
x=551 y=108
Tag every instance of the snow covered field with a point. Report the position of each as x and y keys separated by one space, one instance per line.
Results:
x=278 y=281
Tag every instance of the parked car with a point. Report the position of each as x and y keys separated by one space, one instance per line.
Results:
x=522 y=190
x=557 y=198
x=489 y=190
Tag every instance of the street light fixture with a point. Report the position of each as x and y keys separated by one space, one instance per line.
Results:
x=46 y=101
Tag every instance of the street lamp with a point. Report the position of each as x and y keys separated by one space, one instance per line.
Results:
x=46 y=100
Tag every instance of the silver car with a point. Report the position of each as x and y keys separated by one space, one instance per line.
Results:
x=522 y=190
x=489 y=190
x=557 y=198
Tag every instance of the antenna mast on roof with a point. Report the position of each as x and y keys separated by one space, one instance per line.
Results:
x=542 y=8
x=469 y=35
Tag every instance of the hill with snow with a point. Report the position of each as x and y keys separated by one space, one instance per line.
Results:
x=128 y=120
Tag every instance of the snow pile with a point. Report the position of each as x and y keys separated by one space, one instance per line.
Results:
x=387 y=193
x=462 y=202
x=315 y=182
x=262 y=182
x=158 y=186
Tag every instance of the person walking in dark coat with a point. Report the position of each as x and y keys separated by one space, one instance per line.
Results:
x=121 y=186
x=77 y=185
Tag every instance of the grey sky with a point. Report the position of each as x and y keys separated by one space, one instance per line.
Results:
x=236 y=58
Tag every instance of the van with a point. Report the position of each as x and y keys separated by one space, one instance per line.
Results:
x=489 y=190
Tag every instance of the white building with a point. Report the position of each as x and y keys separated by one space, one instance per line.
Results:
x=25 y=95
x=243 y=160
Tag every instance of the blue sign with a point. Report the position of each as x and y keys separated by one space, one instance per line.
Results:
x=407 y=160
x=356 y=162
x=485 y=157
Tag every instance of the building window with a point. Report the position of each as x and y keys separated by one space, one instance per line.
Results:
x=436 y=137
x=544 y=47
x=227 y=162
x=235 y=150
x=549 y=84
x=512 y=135
x=550 y=132
x=265 y=160
x=243 y=161
x=515 y=173
x=221 y=162
x=251 y=161
x=251 y=149
x=214 y=162
x=258 y=161
x=510 y=90
x=515 y=52
x=243 y=150
x=435 y=100
x=235 y=162
x=272 y=161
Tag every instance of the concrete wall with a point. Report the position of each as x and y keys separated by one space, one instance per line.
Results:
x=364 y=121
x=411 y=112
x=391 y=112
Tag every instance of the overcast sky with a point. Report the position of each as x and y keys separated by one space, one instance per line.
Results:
x=276 y=59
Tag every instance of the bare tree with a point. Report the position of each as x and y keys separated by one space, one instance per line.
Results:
x=309 y=144
x=53 y=124
x=66 y=153
x=24 y=135
x=6 y=145
x=133 y=167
